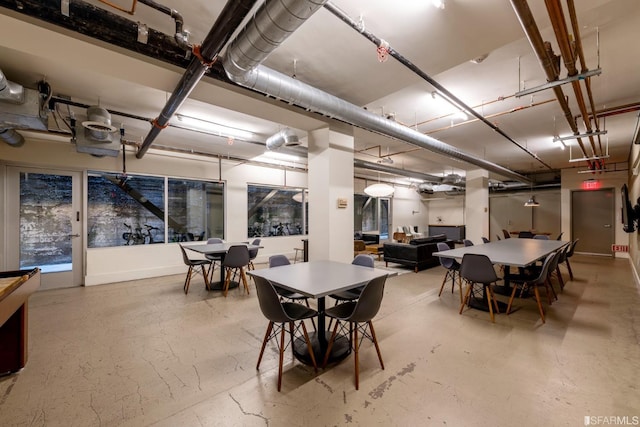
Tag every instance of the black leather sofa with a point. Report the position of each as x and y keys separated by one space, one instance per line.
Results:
x=368 y=238
x=418 y=253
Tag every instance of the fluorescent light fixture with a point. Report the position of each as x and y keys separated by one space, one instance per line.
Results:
x=379 y=190
x=212 y=128
x=439 y=4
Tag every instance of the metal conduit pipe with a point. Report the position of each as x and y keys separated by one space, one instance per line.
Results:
x=11 y=137
x=395 y=171
x=229 y=19
x=443 y=91
x=583 y=64
x=556 y=15
x=270 y=26
x=521 y=8
x=180 y=36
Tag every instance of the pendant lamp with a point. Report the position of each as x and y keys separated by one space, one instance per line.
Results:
x=379 y=190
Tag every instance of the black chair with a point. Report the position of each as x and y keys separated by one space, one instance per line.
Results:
x=453 y=270
x=467 y=242
x=280 y=315
x=213 y=258
x=541 y=237
x=236 y=260
x=478 y=270
x=485 y=240
x=253 y=253
x=359 y=315
x=506 y=234
x=554 y=271
x=525 y=235
x=193 y=264
x=498 y=236
x=542 y=279
x=569 y=255
x=285 y=294
x=560 y=236
x=353 y=294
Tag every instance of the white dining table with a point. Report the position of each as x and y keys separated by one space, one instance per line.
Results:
x=318 y=279
x=509 y=253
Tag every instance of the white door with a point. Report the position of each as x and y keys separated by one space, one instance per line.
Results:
x=44 y=217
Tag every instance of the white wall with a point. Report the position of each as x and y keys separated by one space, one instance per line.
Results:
x=446 y=211
x=107 y=265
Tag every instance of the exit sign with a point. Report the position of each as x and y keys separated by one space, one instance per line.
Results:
x=619 y=248
x=591 y=184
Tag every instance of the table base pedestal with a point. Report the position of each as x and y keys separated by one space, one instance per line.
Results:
x=219 y=286
x=339 y=351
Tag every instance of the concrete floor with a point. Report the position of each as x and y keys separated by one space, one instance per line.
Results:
x=142 y=353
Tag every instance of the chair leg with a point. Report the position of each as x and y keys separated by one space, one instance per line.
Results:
x=490 y=304
x=309 y=348
x=560 y=279
x=330 y=344
x=493 y=298
x=569 y=268
x=264 y=343
x=244 y=280
x=444 y=281
x=227 y=280
x=375 y=342
x=513 y=294
x=537 y=294
x=356 y=346
x=460 y=286
x=306 y=301
x=205 y=276
x=466 y=298
x=187 y=280
x=282 y=331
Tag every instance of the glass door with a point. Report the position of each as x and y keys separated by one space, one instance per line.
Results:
x=44 y=224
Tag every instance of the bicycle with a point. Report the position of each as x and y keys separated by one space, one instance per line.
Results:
x=133 y=237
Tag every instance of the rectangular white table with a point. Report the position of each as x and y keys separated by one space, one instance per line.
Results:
x=317 y=279
x=509 y=253
x=220 y=249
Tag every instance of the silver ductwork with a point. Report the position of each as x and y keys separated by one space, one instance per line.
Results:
x=284 y=138
x=20 y=108
x=273 y=22
x=94 y=134
x=395 y=171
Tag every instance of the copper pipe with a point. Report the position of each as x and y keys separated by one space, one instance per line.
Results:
x=556 y=15
x=614 y=111
x=498 y=114
x=521 y=8
x=583 y=64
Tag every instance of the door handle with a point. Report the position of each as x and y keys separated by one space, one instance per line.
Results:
x=607 y=226
x=74 y=235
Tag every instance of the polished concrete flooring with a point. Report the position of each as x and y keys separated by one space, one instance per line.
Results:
x=142 y=353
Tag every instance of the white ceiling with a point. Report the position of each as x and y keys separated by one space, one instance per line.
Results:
x=335 y=58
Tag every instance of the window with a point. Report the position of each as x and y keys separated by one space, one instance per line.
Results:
x=196 y=210
x=371 y=214
x=131 y=210
x=276 y=211
x=124 y=210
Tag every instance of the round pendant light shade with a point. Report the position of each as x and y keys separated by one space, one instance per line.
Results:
x=379 y=190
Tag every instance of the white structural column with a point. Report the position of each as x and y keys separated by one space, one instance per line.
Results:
x=476 y=211
x=330 y=181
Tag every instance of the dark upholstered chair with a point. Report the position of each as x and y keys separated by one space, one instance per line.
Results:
x=453 y=270
x=569 y=255
x=506 y=234
x=282 y=316
x=236 y=260
x=541 y=237
x=193 y=265
x=358 y=314
x=525 y=235
x=467 y=242
x=478 y=270
x=285 y=294
x=542 y=279
x=485 y=240
x=354 y=294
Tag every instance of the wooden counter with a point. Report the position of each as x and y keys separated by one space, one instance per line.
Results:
x=15 y=289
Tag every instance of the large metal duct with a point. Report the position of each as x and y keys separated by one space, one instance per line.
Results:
x=264 y=33
x=20 y=108
x=9 y=91
x=395 y=171
x=11 y=137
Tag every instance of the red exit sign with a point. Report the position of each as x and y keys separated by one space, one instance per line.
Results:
x=619 y=248
x=591 y=184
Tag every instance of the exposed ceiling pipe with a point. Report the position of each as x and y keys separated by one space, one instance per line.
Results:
x=9 y=91
x=180 y=37
x=11 y=137
x=556 y=15
x=245 y=53
x=521 y=8
x=229 y=19
x=441 y=89
x=395 y=171
x=583 y=64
